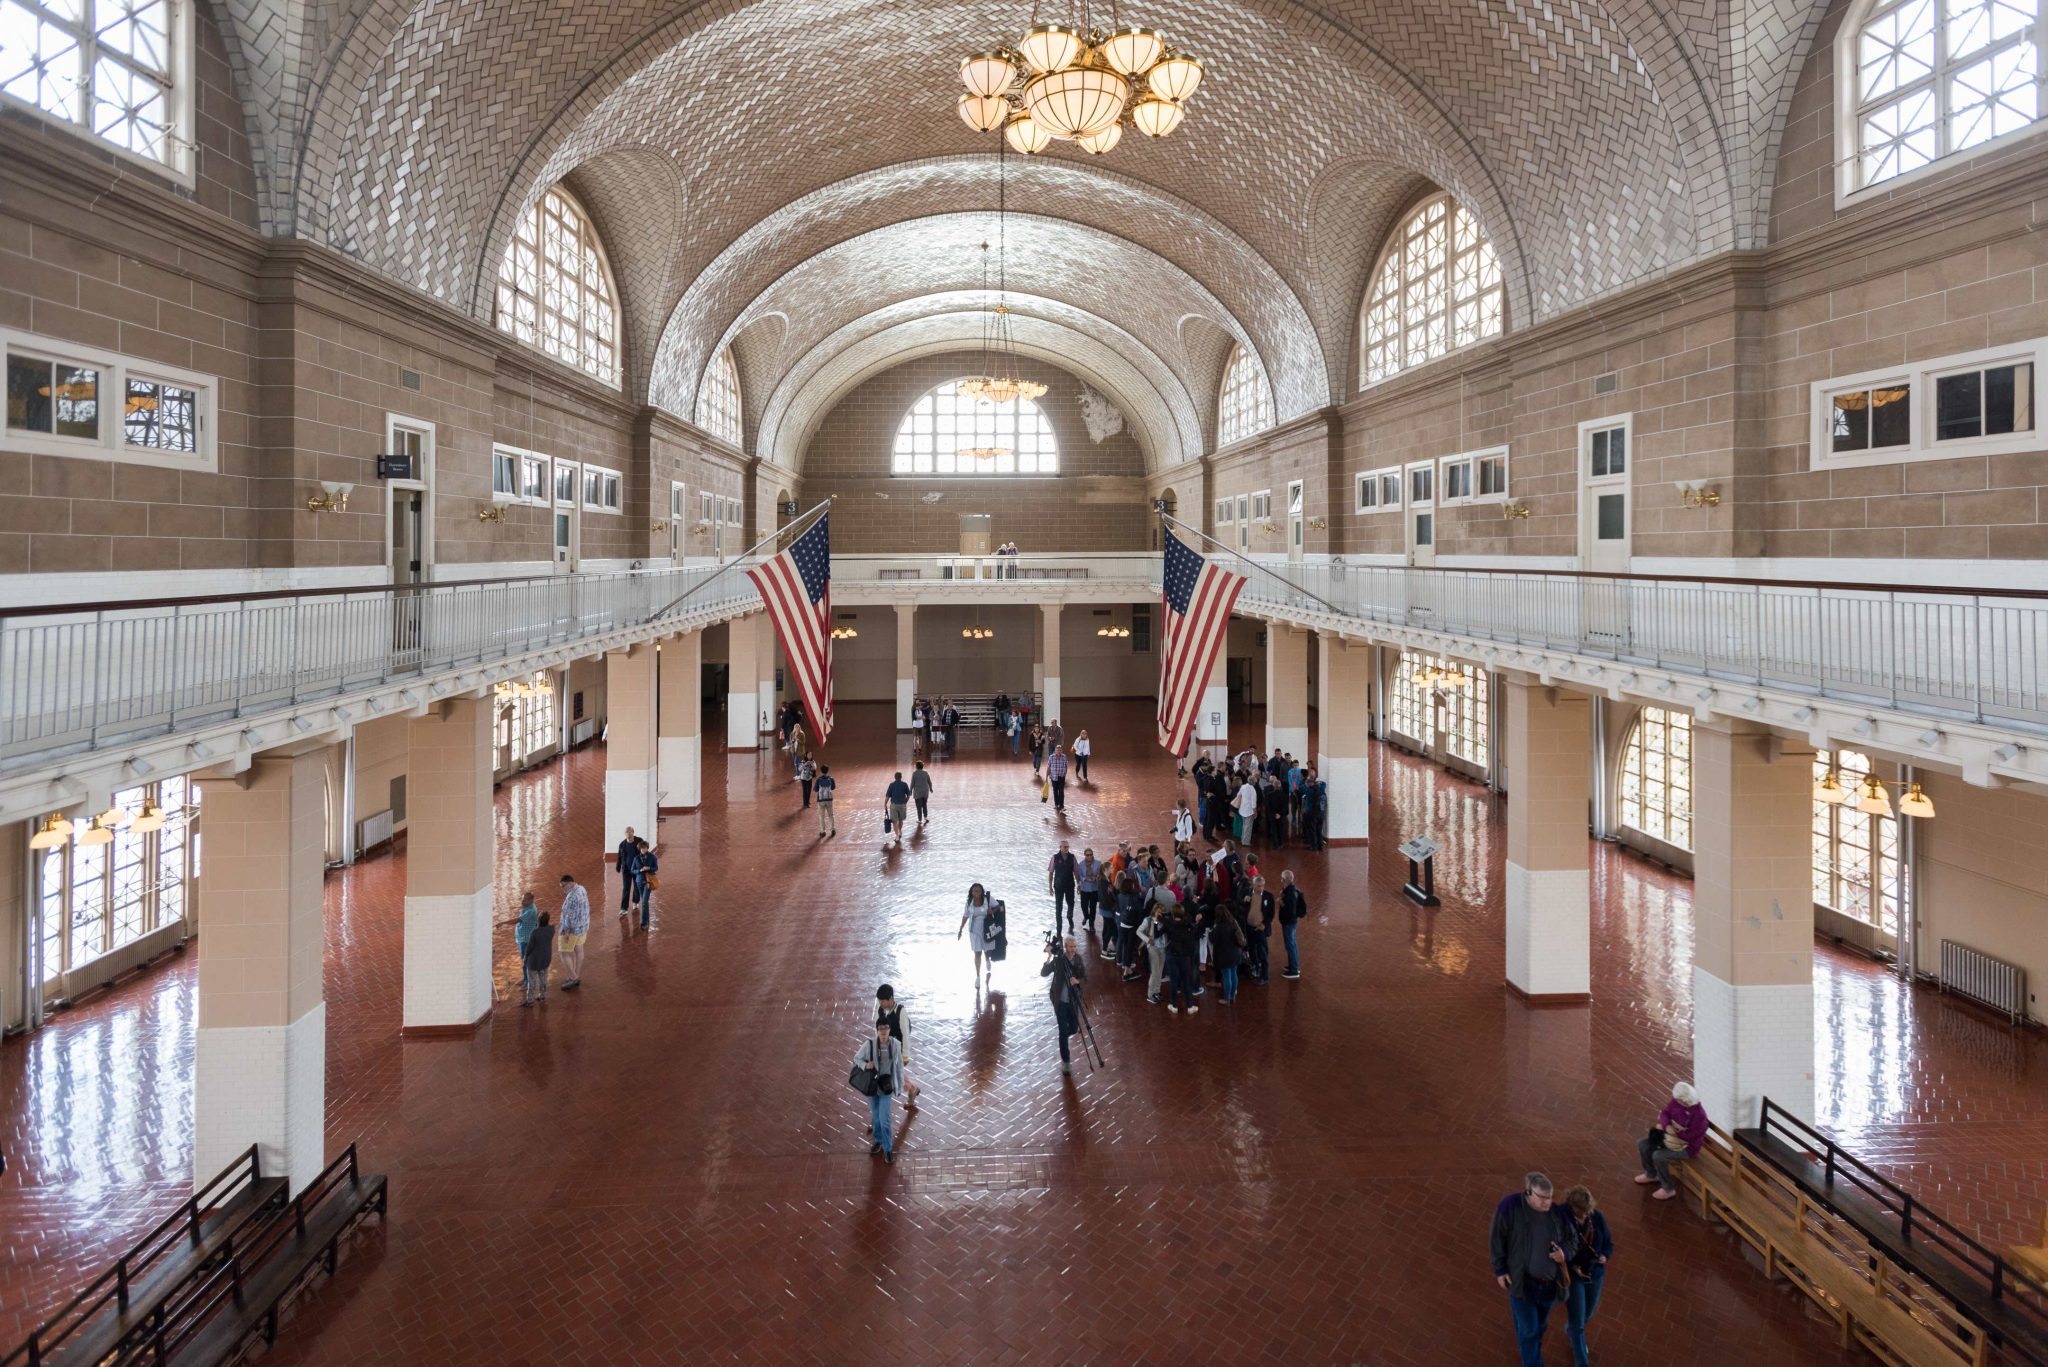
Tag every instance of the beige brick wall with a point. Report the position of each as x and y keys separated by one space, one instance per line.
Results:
x=1096 y=503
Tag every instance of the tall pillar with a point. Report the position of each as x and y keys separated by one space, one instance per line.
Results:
x=1342 y=760
x=631 y=777
x=1549 y=745
x=1212 y=722
x=1752 y=974
x=260 y=1066
x=1287 y=689
x=678 y=747
x=742 y=686
x=906 y=663
x=766 y=702
x=1049 y=642
x=450 y=849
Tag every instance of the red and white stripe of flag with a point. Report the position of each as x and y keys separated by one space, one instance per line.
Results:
x=805 y=632
x=1190 y=649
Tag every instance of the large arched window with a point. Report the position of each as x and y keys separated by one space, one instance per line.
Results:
x=1244 y=405
x=116 y=69
x=1935 y=77
x=1656 y=776
x=555 y=290
x=1459 y=719
x=1437 y=288
x=1855 y=854
x=718 y=403
x=98 y=897
x=945 y=425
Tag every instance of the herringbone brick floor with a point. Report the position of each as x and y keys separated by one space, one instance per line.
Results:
x=668 y=1163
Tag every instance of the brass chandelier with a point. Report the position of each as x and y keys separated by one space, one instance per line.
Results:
x=998 y=382
x=1072 y=82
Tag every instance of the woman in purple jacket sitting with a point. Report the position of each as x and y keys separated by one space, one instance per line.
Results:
x=1681 y=1129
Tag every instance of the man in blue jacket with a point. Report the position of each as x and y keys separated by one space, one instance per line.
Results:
x=1530 y=1242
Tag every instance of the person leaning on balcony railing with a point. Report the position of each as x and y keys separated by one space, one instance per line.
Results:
x=1680 y=1130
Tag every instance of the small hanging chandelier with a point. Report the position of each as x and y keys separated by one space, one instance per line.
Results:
x=998 y=382
x=1071 y=82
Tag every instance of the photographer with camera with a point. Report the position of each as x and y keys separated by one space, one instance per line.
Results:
x=884 y=1057
x=1066 y=968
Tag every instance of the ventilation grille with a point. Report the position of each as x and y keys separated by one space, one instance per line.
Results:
x=1608 y=383
x=409 y=378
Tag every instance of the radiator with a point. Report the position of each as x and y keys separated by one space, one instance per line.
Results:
x=1994 y=982
x=582 y=731
x=373 y=831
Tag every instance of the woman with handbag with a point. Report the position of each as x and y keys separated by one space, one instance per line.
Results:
x=878 y=1075
x=1588 y=1267
x=646 y=878
x=1680 y=1130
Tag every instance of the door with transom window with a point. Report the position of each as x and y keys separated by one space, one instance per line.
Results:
x=1605 y=522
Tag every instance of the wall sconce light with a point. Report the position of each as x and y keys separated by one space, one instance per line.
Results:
x=1697 y=495
x=1319 y=523
x=490 y=514
x=1515 y=510
x=660 y=524
x=332 y=498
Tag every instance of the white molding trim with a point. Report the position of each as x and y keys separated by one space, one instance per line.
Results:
x=1821 y=570
x=96 y=586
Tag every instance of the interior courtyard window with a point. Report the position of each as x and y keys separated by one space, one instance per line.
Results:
x=526 y=717
x=1855 y=854
x=99 y=898
x=1656 y=776
x=116 y=69
x=718 y=405
x=1244 y=405
x=1437 y=288
x=1938 y=77
x=1456 y=716
x=555 y=290
x=944 y=423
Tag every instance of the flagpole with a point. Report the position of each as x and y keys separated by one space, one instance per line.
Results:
x=1231 y=551
x=737 y=561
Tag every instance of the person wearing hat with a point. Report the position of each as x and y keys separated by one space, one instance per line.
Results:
x=1680 y=1130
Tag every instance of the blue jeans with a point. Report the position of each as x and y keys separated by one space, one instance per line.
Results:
x=1016 y=740
x=1585 y=1300
x=878 y=1114
x=1230 y=983
x=1180 y=972
x=1293 y=950
x=644 y=895
x=1531 y=1317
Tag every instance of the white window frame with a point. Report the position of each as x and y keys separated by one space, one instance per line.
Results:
x=1396 y=288
x=114 y=371
x=1474 y=461
x=1850 y=106
x=1223 y=507
x=532 y=462
x=719 y=401
x=1379 y=478
x=611 y=489
x=1919 y=380
x=602 y=333
x=180 y=103
x=574 y=469
x=1262 y=505
x=1244 y=399
x=508 y=462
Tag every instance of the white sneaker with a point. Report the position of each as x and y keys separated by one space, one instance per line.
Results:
x=1192 y=1008
x=1175 y=1009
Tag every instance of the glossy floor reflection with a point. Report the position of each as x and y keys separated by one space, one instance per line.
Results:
x=669 y=1161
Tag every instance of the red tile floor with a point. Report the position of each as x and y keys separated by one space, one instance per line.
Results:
x=669 y=1162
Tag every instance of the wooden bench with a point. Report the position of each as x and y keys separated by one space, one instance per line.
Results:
x=128 y=1301
x=1888 y=1309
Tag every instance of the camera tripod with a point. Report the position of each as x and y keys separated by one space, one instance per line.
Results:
x=1088 y=1034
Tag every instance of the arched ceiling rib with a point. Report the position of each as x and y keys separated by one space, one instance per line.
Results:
x=803 y=401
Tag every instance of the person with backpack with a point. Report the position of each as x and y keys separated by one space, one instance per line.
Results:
x=1259 y=914
x=523 y=924
x=806 y=775
x=537 y=954
x=1588 y=1265
x=975 y=923
x=823 y=790
x=1293 y=908
x=884 y=1056
x=890 y=1012
x=1183 y=943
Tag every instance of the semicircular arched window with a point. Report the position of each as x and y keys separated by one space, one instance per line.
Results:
x=1656 y=776
x=1244 y=403
x=1437 y=288
x=1934 y=78
x=555 y=288
x=718 y=402
x=947 y=432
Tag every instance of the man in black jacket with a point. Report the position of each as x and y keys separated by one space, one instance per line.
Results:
x=1293 y=907
x=1062 y=880
x=629 y=864
x=1530 y=1243
x=1066 y=968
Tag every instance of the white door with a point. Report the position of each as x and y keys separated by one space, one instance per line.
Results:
x=1296 y=519
x=678 y=508
x=1605 y=519
x=1421 y=513
x=1244 y=523
x=568 y=488
x=409 y=509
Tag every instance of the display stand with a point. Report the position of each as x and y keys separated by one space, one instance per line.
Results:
x=1421 y=853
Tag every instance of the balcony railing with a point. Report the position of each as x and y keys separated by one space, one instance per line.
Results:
x=1964 y=654
x=86 y=675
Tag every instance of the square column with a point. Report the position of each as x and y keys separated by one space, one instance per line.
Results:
x=742 y=688
x=1212 y=722
x=449 y=862
x=1049 y=644
x=1287 y=689
x=765 y=655
x=260 y=1066
x=906 y=663
x=1752 y=974
x=1342 y=760
x=630 y=778
x=679 y=746
x=1549 y=745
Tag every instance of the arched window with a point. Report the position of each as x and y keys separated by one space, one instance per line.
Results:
x=1437 y=288
x=1937 y=77
x=1855 y=854
x=1459 y=720
x=942 y=429
x=555 y=290
x=116 y=69
x=1656 y=776
x=1244 y=405
x=97 y=898
x=718 y=403
x=526 y=716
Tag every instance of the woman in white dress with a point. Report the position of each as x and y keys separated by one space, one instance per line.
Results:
x=975 y=919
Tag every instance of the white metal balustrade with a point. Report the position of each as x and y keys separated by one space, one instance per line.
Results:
x=75 y=678
x=1976 y=655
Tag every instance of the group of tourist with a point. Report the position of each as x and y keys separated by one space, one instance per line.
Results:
x=898 y=796
x=1547 y=1254
x=934 y=726
x=880 y=1071
x=539 y=938
x=1262 y=801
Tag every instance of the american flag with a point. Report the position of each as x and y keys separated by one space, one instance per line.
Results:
x=1198 y=597
x=797 y=587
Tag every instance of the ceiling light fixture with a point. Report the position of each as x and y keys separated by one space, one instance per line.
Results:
x=1071 y=82
x=998 y=382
